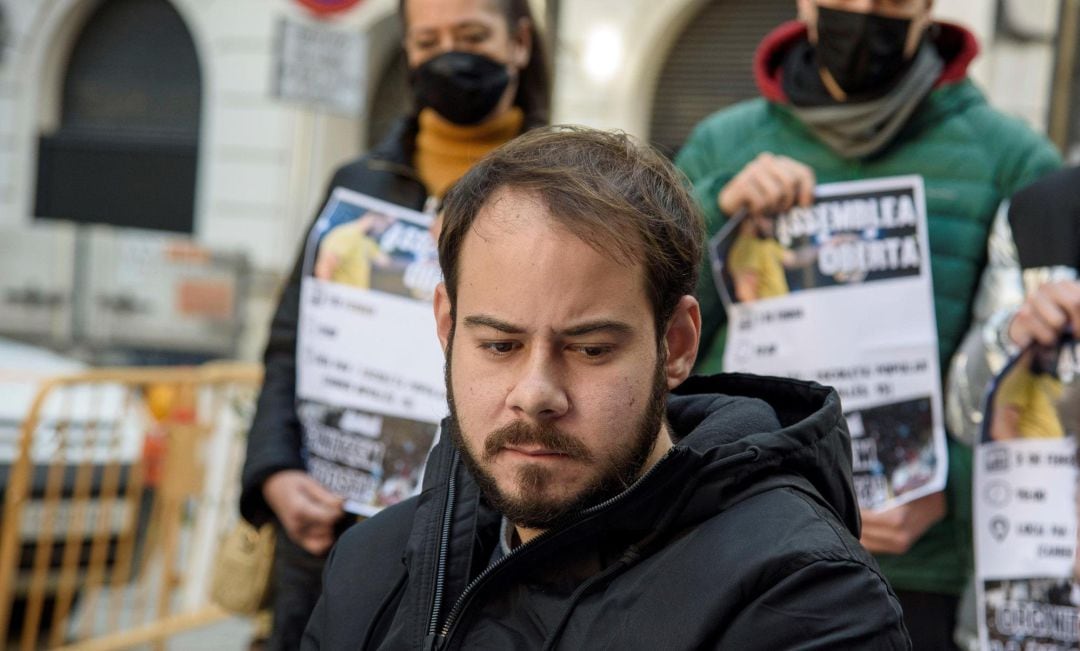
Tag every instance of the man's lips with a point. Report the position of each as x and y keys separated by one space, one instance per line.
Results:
x=534 y=451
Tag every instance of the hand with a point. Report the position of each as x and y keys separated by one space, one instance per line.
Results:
x=896 y=530
x=306 y=509
x=326 y=263
x=1045 y=314
x=768 y=185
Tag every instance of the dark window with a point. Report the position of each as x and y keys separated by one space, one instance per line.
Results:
x=710 y=66
x=126 y=149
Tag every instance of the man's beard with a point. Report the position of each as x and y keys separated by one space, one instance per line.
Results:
x=532 y=508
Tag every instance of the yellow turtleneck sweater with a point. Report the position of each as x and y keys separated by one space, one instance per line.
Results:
x=445 y=151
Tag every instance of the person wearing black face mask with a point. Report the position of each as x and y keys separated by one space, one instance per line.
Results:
x=478 y=73
x=859 y=89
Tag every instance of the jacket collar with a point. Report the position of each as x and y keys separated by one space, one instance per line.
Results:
x=957 y=46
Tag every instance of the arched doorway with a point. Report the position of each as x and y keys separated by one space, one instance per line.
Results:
x=126 y=149
x=710 y=66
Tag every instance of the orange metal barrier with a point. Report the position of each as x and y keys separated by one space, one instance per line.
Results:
x=123 y=483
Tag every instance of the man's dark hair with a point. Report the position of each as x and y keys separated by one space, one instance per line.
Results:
x=623 y=199
x=534 y=83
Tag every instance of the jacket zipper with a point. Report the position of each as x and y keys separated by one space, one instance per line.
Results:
x=444 y=545
x=444 y=635
x=462 y=601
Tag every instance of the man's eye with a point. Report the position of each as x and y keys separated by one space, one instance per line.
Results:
x=474 y=38
x=499 y=347
x=593 y=352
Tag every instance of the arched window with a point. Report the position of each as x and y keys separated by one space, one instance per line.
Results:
x=126 y=149
x=711 y=65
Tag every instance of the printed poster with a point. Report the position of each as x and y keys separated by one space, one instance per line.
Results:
x=840 y=293
x=370 y=391
x=1025 y=506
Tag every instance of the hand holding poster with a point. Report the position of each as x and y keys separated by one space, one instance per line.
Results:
x=840 y=293
x=1025 y=505
x=370 y=390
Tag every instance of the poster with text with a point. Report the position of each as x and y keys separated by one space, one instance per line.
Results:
x=370 y=390
x=1025 y=507
x=840 y=293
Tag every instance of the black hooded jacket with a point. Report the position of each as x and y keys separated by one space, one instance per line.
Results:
x=744 y=536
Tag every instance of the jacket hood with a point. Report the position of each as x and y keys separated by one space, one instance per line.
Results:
x=956 y=45
x=795 y=429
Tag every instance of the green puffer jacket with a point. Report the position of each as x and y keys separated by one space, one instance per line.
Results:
x=970 y=157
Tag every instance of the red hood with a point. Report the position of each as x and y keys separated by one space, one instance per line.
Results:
x=956 y=44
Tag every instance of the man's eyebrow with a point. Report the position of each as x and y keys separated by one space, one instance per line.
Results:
x=468 y=23
x=603 y=325
x=484 y=321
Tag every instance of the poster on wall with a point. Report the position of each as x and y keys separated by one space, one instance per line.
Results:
x=1025 y=510
x=840 y=293
x=370 y=391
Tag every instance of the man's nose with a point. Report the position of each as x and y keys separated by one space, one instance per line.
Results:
x=446 y=42
x=539 y=393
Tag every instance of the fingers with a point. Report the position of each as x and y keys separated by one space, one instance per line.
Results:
x=1046 y=313
x=883 y=532
x=896 y=530
x=304 y=507
x=804 y=176
x=315 y=539
x=310 y=524
x=1067 y=295
x=319 y=494
x=769 y=184
x=325 y=264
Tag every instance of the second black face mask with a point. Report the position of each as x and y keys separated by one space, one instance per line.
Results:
x=460 y=86
x=862 y=52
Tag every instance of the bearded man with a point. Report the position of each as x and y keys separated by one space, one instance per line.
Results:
x=572 y=503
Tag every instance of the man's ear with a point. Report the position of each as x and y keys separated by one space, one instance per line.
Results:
x=681 y=339
x=444 y=317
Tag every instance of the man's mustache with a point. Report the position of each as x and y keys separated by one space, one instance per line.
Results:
x=545 y=436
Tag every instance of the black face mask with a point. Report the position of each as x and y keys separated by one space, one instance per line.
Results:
x=460 y=86
x=862 y=52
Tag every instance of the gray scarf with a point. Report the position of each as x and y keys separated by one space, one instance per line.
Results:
x=860 y=129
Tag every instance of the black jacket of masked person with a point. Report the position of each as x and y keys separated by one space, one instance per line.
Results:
x=743 y=537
